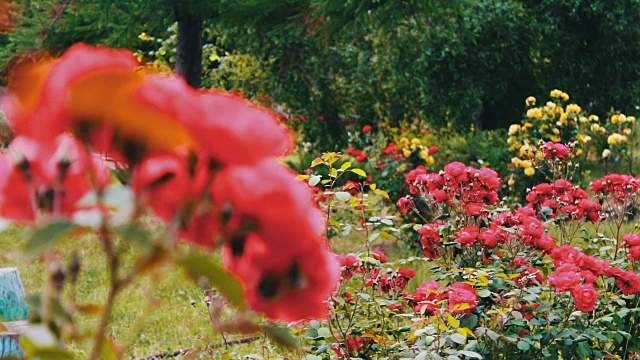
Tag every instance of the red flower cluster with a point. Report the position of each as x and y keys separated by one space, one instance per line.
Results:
x=560 y=199
x=394 y=282
x=577 y=272
x=465 y=186
x=430 y=240
x=633 y=242
x=620 y=186
x=358 y=154
x=552 y=150
x=204 y=161
x=367 y=129
x=429 y=296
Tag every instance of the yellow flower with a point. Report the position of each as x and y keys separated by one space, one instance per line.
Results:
x=530 y=171
x=626 y=131
x=534 y=113
x=525 y=151
x=402 y=168
x=530 y=101
x=415 y=141
x=511 y=181
x=606 y=153
x=424 y=154
x=583 y=119
x=578 y=152
x=405 y=142
x=594 y=117
x=614 y=119
x=513 y=129
x=595 y=127
x=430 y=160
x=406 y=153
x=622 y=118
x=616 y=138
x=144 y=37
x=527 y=126
x=631 y=119
x=555 y=93
x=551 y=105
x=555 y=138
x=514 y=160
x=565 y=96
x=555 y=131
x=573 y=108
x=583 y=138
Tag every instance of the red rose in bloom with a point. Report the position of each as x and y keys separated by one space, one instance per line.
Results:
x=430 y=240
x=561 y=186
x=634 y=253
x=628 y=281
x=531 y=227
x=518 y=261
x=489 y=178
x=407 y=273
x=47 y=177
x=490 y=237
x=457 y=171
x=349 y=263
x=462 y=298
x=426 y=295
x=405 y=204
x=37 y=102
x=394 y=307
x=273 y=241
x=545 y=243
x=433 y=150
x=379 y=255
x=631 y=239
x=585 y=297
x=468 y=235
x=473 y=208
x=555 y=150
x=367 y=129
x=564 y=279
x=391 y=148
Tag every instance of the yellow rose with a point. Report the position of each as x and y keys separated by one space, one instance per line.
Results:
x=530 y=101
x=573 y=108
x=511 y=181
x=614 y=119
x=595 y=127
x=555 y=138
x=514 y=160
x=513 y=129
x=594 y=117
x=430 y=160
x=529 y=171
x=401 y=168
x=564 y=96
x=616 y=138
x=555 y=131
x=424 y=154
x=415 y=141
x=631 y=119
x=578 y=152
x=534 y=113
x=583 y=119
x=555 y=93
x=551 y=105
x=622 y=118
x=527 y=126
x=606 y=153
x=406 y=153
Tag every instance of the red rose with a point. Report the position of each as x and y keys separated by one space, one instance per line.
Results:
x=585 y=297
x=367 y=129
x=462 y=298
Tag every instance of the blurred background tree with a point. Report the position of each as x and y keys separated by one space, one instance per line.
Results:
x=334 y=65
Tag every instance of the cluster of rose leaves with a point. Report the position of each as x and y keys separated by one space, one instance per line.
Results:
x=472 y=190
x=204 y=161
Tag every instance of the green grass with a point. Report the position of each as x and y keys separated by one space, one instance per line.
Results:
x=154 y=314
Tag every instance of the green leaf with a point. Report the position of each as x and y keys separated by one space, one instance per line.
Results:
x=458 y=338
x=324 y=332
x=314 y=180
x=523 y=345
x=281 y=335
x=46 y=237
x=343 y=195
x=200 y=265
x=345 y=166
x=471 y=354
x=484 y=293
x=359 y=172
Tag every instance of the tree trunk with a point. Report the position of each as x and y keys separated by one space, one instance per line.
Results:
x=189 y=52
